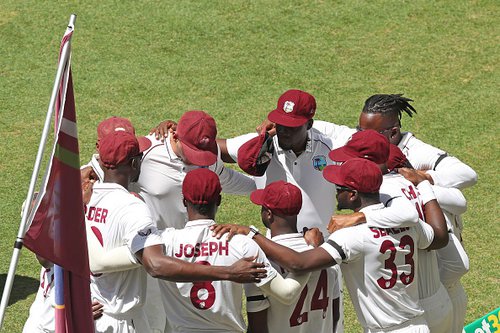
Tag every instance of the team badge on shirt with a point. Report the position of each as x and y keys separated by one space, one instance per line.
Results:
x=319 y=162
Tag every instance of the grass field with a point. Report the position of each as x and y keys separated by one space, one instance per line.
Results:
x=153 y=60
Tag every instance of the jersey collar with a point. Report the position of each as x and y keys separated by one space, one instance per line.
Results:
x=372 y=207
x=200 y=223
x=294 y=235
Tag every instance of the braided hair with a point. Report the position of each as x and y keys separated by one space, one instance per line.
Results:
x=388 y=104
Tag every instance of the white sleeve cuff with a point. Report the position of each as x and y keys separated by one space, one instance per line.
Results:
x=426 y=192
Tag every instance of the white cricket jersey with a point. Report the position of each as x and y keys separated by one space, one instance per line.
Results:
x=119 y=218
x=42 y=312
x=160 y=183
x=379 y=267
x=313 y=310
x=446 y=171
x=207 y=306
x=399 y=196
x=304 y=171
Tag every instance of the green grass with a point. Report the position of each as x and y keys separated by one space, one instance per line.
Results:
x=154 y=60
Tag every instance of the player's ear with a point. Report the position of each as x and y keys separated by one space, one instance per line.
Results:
x=184 y=202
x=310 y=124
x=219 y=200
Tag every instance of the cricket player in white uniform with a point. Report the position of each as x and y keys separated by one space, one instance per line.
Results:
x=380 y=262
x=41 y=317
x=433 y=297
x=317 y=308
x=452 y=259
x=166 y=163
x=116 y=217
x=212 y=306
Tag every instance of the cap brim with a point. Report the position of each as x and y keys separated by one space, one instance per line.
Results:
x=257 y=197
x=278 y=117
x=332 y=174
x=144 y=143
x=340 y=155
x=200 y=157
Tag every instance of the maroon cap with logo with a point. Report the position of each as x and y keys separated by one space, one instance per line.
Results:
x=197 y=131
x=280 y=197
x=358 y=174
x=255 y=155
x=396 y=159
x=113 y=124
x=367 y=144
x=117 y=148
x=295 y=108
x=201 y=186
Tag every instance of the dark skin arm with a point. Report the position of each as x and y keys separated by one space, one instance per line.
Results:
x=435 y=218
x=296 y=262
x=223 y=151
x=167 y=268
x=257 y=322
x=432 y=211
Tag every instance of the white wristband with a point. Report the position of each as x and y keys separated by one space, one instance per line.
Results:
x=426 y=192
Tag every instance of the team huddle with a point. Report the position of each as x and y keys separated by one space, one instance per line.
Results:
x=161 y=263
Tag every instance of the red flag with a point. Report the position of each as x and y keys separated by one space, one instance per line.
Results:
x=57 y=232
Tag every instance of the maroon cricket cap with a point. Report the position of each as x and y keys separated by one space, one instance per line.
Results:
x=280 y=197
x=295 y=108
x=255 y=155
x=396 y=158
x=113 y=124
x=201 y=186
x=358 y=174
x=367 y=144
x=197 y=131
x=117 y=148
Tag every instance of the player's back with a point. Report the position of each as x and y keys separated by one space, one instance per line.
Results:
x=205 y=306
x=379 y=267
x=115 y=215
x=313 y=311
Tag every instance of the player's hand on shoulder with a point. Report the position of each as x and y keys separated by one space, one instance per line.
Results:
x=268 y=125
x=313 y=237
x=218 y=230
x=88 y=173
x=246 y=270
x=161 y=131
x=338 y=222
x=87 y=187
x=415 y=176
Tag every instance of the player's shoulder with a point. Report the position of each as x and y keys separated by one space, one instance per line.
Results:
x=410 y=142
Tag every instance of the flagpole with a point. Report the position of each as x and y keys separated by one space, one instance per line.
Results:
x=66 y=51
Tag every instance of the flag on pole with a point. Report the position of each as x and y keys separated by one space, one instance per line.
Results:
x=57 y=232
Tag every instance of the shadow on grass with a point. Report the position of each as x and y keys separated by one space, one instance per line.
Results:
x=23 y=287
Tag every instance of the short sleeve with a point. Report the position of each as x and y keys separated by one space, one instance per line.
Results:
x=251 y=249
x=140 y=231
x=344 y=245
x=425 y=234
x=256 y=300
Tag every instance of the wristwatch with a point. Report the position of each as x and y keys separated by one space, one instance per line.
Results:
x=253 y=231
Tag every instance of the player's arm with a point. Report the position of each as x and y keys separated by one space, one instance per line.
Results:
x=398 y=213
x=257 y=322
x=433 y=216
x=101 y=261
x=451 y=172
x=450 y=199
x=298 y=262
x=453 y=261
x=285 y=290
x=167 y=268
